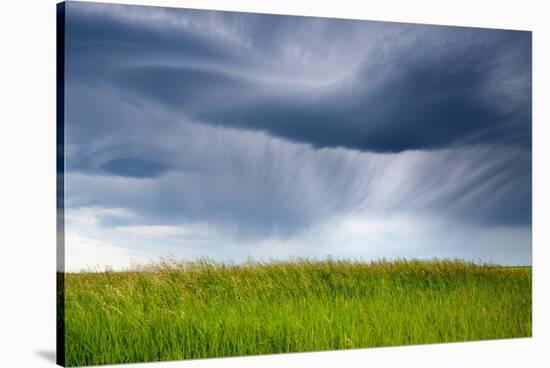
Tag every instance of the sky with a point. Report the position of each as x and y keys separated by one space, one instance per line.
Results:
x=194 y=133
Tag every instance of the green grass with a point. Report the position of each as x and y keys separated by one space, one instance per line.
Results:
x=175 y=310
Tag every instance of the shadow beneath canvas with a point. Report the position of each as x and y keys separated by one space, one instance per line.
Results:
x=48 y=355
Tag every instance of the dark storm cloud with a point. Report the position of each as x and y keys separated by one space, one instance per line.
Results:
x=151 y=93
x=134 y=167
x=100 y=41
x=440 y=87
x=419 y=87
x=420 y=97
x=193 y=90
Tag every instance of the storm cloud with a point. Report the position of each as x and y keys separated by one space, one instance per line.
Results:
x=189 y=129
x=418 y=87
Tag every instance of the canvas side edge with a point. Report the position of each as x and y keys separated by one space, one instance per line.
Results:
x=60 y=183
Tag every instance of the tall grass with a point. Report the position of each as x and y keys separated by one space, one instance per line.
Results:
x=182 y=310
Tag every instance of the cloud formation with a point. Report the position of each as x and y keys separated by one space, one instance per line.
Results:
x=416 y=87
x=205 y=133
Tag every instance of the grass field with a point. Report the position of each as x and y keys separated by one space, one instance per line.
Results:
x=176 y=310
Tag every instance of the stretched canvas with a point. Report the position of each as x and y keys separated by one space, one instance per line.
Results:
x=236 y=184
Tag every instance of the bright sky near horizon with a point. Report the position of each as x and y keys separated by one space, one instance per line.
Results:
x=198 y=133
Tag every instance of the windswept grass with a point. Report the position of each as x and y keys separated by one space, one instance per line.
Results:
x=178 y=310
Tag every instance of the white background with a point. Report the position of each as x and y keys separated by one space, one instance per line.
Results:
x=27 y=182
